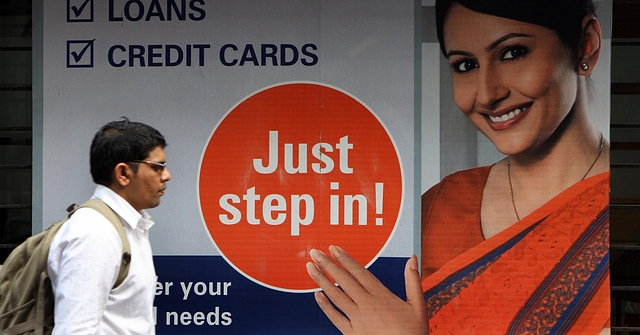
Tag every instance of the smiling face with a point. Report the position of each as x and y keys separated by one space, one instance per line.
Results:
x=148 y=183
x=515 y=81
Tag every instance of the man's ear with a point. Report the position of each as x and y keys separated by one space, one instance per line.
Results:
x=590 y=45
x=122 y=174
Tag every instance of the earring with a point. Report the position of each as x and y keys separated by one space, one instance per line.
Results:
x=585 y=66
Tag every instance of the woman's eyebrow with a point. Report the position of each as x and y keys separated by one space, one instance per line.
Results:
x=504 y=38
x=488 y=48
x=458 y=53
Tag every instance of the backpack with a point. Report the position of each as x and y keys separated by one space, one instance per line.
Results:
x=26 y=296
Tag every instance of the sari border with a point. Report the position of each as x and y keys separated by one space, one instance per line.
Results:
x=596 y=233
x=594 y=284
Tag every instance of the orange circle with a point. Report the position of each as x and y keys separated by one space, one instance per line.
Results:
x=265 y=214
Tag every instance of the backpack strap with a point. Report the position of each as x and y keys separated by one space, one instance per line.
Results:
x=106 y=211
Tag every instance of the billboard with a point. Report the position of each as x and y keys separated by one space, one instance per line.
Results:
x=295 y=126
x=290 y=127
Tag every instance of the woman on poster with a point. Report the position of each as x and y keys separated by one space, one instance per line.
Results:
x=520 y=246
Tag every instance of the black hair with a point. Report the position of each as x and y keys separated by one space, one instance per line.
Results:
x=564 y=17
x=121 y=141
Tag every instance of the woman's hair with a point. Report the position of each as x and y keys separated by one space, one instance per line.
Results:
x=564 y=17
x=121 y=141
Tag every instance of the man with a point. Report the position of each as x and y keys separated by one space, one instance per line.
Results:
x=128 y=165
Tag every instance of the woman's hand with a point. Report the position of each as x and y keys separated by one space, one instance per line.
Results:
x=370 y=308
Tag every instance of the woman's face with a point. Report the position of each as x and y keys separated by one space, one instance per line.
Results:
x=515 y=81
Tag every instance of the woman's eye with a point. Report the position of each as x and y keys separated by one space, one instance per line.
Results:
x=465 y=65
x=514 y=52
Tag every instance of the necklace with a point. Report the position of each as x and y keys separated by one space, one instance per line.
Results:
x=513 y=201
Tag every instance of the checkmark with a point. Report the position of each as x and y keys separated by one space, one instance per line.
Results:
x=77 y=11
x=80 y=53
x=81 y=12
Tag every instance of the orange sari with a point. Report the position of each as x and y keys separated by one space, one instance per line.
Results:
x=546 y=274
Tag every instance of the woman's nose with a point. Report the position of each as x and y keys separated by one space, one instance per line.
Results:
x=491 y=88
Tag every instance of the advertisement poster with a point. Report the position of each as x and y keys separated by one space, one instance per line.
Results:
x=297 y=125
x=290 y=126
x=515 y=234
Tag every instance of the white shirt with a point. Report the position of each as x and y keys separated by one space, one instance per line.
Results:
x=83 y=264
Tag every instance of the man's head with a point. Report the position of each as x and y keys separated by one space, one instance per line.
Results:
x=128 y=157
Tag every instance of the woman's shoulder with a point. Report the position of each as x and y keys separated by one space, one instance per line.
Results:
x=461 y=187
x=464 y=185
x=470 y=179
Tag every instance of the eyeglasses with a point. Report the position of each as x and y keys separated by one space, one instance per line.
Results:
x=155 y=165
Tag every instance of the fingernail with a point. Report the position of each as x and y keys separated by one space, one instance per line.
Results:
x=316 y=255
x=413 y=263
x=335 y=251
x=312 y=269
x=319 y=296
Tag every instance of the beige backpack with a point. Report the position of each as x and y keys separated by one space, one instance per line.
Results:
x=26 y=296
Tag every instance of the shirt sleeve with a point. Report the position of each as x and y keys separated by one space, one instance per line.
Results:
x=84 y=260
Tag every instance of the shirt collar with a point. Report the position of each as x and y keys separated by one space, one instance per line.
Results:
x=127 y=213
